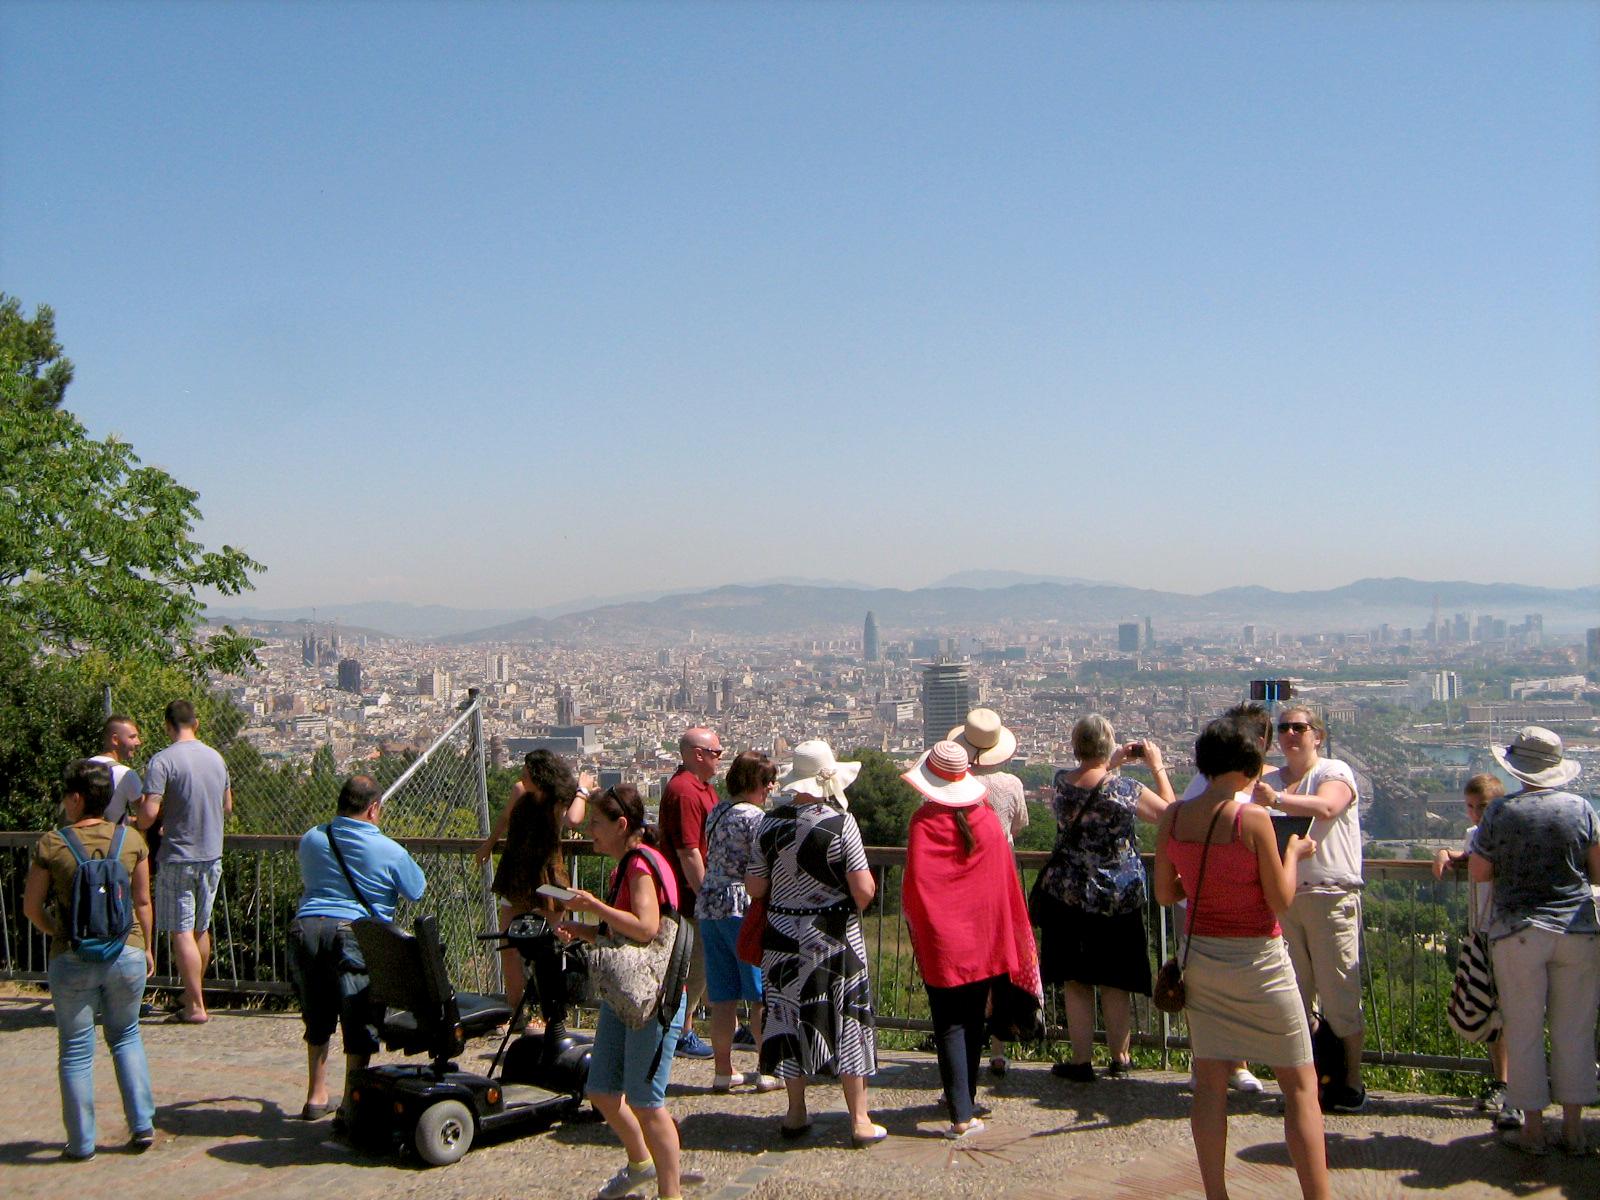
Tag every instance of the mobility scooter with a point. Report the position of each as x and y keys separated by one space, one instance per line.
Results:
x=437 y=1109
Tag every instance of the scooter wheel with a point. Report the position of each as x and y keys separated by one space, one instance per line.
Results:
x=444 y=1133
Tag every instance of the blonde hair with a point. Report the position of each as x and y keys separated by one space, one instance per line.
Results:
x=1093 y=738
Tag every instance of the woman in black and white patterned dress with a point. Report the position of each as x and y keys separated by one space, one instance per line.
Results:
x=813 y=870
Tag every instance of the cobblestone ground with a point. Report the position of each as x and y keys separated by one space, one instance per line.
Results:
x=227 y=1094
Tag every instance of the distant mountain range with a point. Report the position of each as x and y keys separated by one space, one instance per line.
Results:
x=780 y=609
x=785 y=607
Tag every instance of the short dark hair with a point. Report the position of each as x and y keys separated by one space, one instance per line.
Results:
x=1254 y=719
x=357 y=795
x=750 y=772
x=1224 y=746
x=90 y=781
x=181 y=714
x=110 y=724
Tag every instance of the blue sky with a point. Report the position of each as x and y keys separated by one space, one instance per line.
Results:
x=502 y=304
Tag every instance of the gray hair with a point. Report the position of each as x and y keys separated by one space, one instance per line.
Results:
x=1093 y=739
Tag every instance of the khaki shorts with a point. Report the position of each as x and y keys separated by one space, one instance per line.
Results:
x=1322 y=931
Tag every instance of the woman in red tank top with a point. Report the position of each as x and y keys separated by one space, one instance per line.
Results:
x=1222 y=856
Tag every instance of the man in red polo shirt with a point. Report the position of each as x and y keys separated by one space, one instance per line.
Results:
x=687 y=799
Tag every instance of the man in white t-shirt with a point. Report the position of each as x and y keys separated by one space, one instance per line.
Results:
x=119 y=738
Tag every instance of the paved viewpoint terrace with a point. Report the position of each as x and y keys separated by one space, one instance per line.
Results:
x=227 y=1094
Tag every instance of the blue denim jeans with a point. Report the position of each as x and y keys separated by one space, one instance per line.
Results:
x=115 y=989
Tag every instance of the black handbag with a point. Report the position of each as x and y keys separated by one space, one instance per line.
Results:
x=1168 y=993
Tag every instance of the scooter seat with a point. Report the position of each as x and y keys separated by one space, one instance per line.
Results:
x=480 y=1015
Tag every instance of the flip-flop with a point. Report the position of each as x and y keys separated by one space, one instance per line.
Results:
x=177 y=1018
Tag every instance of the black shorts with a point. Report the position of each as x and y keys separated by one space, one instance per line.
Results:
x=1107 y=950
x=330 y=979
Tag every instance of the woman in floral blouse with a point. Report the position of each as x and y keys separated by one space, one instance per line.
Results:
x=1092 y=891
x=730 y=848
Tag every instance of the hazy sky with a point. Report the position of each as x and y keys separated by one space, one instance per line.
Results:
x=501 y=304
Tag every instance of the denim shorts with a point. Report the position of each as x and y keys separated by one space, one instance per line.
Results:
x=619 y=1064
x=726 y=977
x=184 y=892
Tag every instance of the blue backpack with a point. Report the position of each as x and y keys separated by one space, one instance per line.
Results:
x=102 y=900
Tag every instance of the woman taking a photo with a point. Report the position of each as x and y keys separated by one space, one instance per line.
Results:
x=812 y=868
x=969 y=925
x=632 y=1065
x=730 y=848
x=544 y=804
x=1241 y=1001
x=1092 y=924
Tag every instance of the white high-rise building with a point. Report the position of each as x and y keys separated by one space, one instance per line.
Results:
x=946 y=699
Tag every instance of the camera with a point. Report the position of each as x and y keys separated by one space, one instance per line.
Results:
x=1136 y=750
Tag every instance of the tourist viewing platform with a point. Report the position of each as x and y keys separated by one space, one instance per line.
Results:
x=227 y=1095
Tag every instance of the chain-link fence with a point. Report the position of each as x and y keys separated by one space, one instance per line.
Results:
x=431 y=801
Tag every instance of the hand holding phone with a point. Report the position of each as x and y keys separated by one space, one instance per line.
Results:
x=555 y=893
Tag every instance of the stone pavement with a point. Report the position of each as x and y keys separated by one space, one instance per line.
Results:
x=226 y=1093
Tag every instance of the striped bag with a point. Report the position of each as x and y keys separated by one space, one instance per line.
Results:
x=1474 y=1008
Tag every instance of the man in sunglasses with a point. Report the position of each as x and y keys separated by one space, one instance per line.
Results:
x=685 y=803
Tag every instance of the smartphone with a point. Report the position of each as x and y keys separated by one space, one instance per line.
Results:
x=555 y=893
x=1286 y=827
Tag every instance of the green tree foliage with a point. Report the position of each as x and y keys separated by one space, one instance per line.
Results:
x=881 y=802
x=99 y=575
x=96 y=551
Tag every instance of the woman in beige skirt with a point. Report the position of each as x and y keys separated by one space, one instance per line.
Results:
x=1242 y=1002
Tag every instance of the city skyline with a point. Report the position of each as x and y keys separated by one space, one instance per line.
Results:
x=504 y=306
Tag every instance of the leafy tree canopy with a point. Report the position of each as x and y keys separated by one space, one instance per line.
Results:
x=96 y=551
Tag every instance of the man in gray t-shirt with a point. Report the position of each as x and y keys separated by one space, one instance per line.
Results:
x=186 y=788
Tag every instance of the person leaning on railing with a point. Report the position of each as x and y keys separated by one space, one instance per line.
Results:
x=1541 y=848
x=348 y=870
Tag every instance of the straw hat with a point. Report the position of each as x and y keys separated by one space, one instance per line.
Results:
x=942 y=776
x=815 y=772
x=1535 y=757
x=987 y=742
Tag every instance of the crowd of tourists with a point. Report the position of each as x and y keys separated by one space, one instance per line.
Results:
x=1263 y=865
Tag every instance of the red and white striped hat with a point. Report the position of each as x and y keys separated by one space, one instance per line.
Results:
x=942 y=776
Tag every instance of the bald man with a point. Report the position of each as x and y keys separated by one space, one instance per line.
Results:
x=688 y=798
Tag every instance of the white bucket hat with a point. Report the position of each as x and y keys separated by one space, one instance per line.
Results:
x=987 y=742
x=1535 y=757
x=942 y=776
x=815 y=772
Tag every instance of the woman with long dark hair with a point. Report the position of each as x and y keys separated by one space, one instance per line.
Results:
x=545 y=802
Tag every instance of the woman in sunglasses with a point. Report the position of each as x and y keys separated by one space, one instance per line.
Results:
x=1322 y=928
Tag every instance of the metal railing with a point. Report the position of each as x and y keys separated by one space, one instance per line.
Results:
x=1412 y=928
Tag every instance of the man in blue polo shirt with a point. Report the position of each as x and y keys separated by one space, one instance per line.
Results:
x=325 y=963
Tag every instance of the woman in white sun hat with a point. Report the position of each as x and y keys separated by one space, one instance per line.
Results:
x=1541 y=848
x=969 y=926
x=812 y=868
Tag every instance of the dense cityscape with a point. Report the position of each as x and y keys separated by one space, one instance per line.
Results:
x=1413 y=710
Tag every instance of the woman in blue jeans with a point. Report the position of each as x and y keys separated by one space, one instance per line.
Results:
x=79 y=986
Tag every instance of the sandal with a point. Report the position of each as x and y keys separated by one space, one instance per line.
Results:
x=1532 y=1149
x=974 y=1127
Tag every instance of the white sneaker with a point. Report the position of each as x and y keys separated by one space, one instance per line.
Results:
x=629 y=1181
x=1242 y=1081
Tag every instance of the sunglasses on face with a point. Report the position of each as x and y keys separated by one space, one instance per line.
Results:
x=714 y=751
x=1294 y=726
